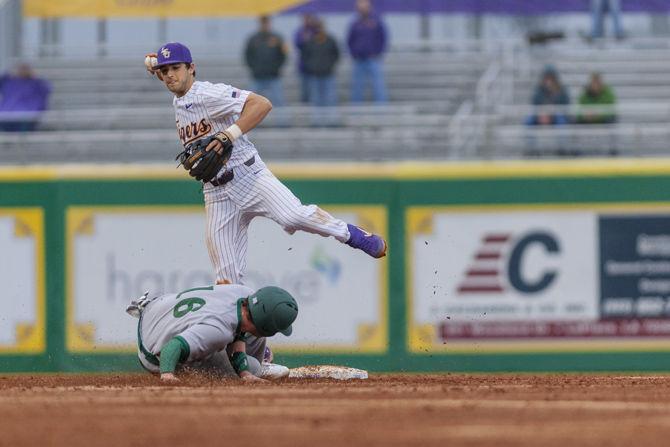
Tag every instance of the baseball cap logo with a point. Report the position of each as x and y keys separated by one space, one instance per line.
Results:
x=173 y=53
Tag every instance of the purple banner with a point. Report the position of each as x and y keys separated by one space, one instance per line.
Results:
x=511 y=7
x=646 y=327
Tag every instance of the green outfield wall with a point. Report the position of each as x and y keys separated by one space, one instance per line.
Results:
x=538 y=266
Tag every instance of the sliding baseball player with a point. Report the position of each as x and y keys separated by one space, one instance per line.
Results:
x=224 y=325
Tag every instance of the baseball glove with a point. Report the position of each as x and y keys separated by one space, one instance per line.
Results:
x=201 y=164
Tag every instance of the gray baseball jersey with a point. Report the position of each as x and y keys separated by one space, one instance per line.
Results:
x=253 y=191
x=205 y=317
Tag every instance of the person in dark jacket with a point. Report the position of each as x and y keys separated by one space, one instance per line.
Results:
x=367 y=42
x=23 y=99
x=301 y=37
x=550 y=91
x=320 y=57
x=265 y=55
x=550 y=98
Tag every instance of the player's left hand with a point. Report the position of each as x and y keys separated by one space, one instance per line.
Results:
x=169 y=378
x=204 y=158
x=221 y=143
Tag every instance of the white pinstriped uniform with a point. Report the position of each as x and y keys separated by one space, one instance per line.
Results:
x=254 y=191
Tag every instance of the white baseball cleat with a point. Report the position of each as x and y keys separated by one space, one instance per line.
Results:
x=272 y=371
x=134 y=309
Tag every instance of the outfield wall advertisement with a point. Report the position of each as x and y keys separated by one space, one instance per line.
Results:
x=342 y=295
x=116 y=253
x=22 y=328
x=634 y=266
x=506 y=271
x=490 y=267
x=535 y=278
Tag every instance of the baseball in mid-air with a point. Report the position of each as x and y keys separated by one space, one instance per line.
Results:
x=150 y=61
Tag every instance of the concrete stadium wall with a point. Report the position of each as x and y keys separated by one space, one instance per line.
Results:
x=560 y=266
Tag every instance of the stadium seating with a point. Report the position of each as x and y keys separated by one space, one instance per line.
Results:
x=635 y=69
x=451 y=102
x=116 y=112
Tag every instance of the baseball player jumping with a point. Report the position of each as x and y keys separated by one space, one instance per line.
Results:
x=212 y=122
x=216 y=327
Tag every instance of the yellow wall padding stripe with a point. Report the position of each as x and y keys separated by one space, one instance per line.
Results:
x=399 y=171
x=154 y=8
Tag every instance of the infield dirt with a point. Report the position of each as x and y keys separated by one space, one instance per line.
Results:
x=389 y=410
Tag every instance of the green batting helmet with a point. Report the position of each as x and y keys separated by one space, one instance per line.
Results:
x=272 y=310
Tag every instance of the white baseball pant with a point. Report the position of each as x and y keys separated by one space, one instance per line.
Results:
x=255 y=191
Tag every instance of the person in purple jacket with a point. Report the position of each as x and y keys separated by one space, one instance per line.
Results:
x=23 y=97
x=367 y=42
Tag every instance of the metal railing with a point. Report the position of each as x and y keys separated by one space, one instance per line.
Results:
x=626 y=111
x=163 y=117
x=460 y=133
x=635 y=139
x=358 y=132
x=365 y=132
x=637 y=129
x=407 y=46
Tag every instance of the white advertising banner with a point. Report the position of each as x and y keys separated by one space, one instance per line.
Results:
x=22 y=278
x=341 y=292
x=484 y=273
x=116 y=253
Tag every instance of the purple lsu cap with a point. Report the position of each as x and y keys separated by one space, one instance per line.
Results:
x=173 y=53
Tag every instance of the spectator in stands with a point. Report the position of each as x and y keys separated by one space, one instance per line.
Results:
x=550 y=92
x=596 y=92
x=23 y=98
x=367 y=42
x=598 y=10
x=302 y=36
x=321 y=56
x=265 y=55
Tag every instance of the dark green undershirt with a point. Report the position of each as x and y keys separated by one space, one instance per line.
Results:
x=174 y=352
